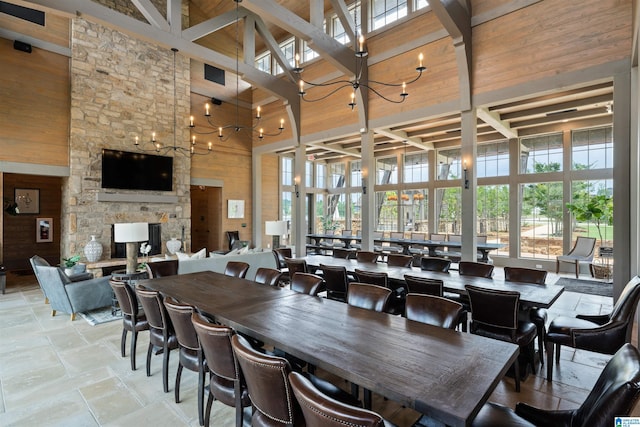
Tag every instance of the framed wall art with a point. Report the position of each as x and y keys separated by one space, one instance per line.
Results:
x=44 y=230
x=236 y=209
x=28 y=200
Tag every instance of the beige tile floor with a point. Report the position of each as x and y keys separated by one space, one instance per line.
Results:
x=55 y=372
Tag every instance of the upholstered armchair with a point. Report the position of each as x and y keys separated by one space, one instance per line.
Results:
x=72 y=297
x=600 y=333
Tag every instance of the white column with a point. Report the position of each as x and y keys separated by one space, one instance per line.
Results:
x=368 y=198
x=469 y=185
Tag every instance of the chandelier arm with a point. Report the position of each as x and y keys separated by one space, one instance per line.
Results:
x=349 y=84
x=273 y=134
x=397 y=84
x=382 y=96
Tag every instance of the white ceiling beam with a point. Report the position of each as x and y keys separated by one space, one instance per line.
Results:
x=493 y=119
x=342 y=11
x=174 y=16
x=335 y=149
x=402 y=136
x=212 y=25
x=274 y=48
x=333 y=52
x=151 y=14
x=455 y=17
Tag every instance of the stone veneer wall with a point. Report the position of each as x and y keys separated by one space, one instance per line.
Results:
x=121 y=87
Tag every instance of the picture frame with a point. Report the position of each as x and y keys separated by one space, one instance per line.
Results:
x=28 y=200
x=235 y=209
x=44 y=230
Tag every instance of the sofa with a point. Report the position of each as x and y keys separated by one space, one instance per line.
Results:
x=217 y=262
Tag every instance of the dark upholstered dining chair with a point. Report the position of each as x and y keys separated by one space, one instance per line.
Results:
x=233 y=237
x=395 y=305
x=614 y=394
x=494 y=315
x=296 y=265
x=342 y=253
x=477 y=269
x=372 y=277
x=370 y=297
x=190 y=350
x=268 y=385
x=537 y=315
x=161 y=333
x=441 y=265
x=280 y=254
x=236 y=269
x=433 y=310
x=367 y=256
x=600 y=333
x=307 y=283
x=224 y=379
x=336 y=281
x=399 y=260
x=162 y=268
x=133 y=319
x=423 y=285
x=320 y=410
x=268 y=276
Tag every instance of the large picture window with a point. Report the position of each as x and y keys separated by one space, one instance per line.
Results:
x=416 y=168
x=493 y=215
x=592 y=149
x=449 y=210
x=493 y=159
x=541 y=220
x=449 y=164
x=541 y=154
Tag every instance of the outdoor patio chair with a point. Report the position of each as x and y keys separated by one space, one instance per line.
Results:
x=582 y=251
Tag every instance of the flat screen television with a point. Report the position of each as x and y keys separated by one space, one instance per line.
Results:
x=136 y=171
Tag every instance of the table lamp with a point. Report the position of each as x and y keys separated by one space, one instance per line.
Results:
x=275 y=229
x=131 y=234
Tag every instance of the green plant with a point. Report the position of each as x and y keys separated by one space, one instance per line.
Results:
x=71 y=261
x=598 y=209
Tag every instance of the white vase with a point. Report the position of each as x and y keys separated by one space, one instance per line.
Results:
x=173 y=245
x=93 y=250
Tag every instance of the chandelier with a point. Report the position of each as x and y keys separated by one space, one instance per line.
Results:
x=235 y=127
x=158 y=147
x=358 y=81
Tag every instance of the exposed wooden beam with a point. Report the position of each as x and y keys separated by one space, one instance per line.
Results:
x=455 y=16
x=214 y=24
x=151 y=14
x=274 y=48
x=335 y=149
x=342 y=11
x=493 y=119
x=333 y=52
x=402 y=136
x=562 y=106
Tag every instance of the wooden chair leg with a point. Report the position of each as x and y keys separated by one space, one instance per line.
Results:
x=549 y=349
x=134 y=338
x=577 y=269
x=177 y=387
x=165 y=368
x=516 y=368
x=123 y=341
x=557 y=266
x=149 y=351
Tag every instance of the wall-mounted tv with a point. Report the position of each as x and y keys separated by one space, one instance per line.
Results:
x=136 y=171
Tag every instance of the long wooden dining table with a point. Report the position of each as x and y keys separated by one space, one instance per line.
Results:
x=445 y=374
x=542 y=296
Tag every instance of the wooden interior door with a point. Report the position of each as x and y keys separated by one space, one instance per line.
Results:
x=206 y=218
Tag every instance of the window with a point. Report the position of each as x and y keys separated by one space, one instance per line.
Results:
x=387 y=170
x=356 y=174
x=541 y=154
x=287 y=171
x=286 y=206
x=449 y=210
x=337 y=30
x=493 y=160
x=493 y=215
x=336 y=211
x=541 y=220
x=592 y=210
x=420 y=4
x=416 y=168
x=592 y=149
x=384 y=12
x=415 y=210
x=321 y=175
x=386 y=210
x=288 y=48
x=263 y=62
x=337 y=175
x=356 y=212
x=449 y=164
x=307 y=53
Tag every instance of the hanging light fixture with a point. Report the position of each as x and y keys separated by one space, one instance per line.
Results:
x=358 y=81
x=157 y=146
x=237 y=127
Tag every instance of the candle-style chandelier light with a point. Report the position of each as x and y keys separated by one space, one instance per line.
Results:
x=158 y=147
x=236 y=127
x=358 y=81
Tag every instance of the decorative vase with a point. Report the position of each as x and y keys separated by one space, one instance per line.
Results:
x=173 y=245
x=93 y=250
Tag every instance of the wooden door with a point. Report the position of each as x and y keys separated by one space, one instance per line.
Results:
x=206 y=217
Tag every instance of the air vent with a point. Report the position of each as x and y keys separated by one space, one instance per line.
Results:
x=214 y=74
x=553 y=113
x=31 y=15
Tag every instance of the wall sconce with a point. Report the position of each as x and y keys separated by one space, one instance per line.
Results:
x=466 y=176
x=296 y=187
x=364 y=185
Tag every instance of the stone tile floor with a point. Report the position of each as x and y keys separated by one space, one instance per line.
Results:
x=55 y=372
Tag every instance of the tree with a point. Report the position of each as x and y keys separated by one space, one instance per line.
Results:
x=597 y=208
x=546 y=197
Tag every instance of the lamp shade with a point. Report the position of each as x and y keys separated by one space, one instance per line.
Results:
x=275 y=228
x=131 y=232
